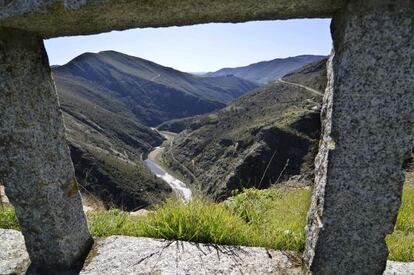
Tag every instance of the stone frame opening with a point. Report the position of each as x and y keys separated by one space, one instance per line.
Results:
x=367 y=121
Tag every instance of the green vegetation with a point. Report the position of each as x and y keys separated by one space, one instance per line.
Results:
x=401 y=242
x=273 y=218
x=8 y=218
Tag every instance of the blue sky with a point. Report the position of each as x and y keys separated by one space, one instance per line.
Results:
x=204 y=48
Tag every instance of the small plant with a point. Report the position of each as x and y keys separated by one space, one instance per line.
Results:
x=8 y=219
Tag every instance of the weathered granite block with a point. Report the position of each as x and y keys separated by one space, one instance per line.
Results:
x=54 y=18
x=35 y=164
x=368 y=120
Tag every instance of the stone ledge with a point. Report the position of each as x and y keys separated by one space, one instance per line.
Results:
x=130 y=255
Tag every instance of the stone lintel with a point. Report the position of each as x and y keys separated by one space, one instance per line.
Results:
x=78 y=17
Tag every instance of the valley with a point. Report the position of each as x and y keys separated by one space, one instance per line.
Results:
x=110 y=101
x=243 y=136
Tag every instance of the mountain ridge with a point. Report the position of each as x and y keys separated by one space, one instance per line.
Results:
x=264 y=72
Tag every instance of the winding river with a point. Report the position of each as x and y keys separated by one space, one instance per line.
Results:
x=178 y=186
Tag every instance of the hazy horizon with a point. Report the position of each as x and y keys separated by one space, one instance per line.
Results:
x=205 y=47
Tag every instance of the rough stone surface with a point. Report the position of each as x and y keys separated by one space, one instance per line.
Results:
x=13 y=255
x=143 y=254
x=3 y=197
x=368 y=120
x=35 y=165
x=129 y=255
x=73 y=17
x=399 y=268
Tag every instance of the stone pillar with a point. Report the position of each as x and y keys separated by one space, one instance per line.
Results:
x=35 y=164
x=368 y=119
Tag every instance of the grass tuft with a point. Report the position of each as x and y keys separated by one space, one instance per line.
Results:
x=198 y=221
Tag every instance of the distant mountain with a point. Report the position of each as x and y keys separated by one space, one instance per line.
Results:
x=276 y=126
x=267 y=71
x=151 y=92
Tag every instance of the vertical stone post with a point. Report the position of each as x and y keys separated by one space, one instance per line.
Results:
x=35 y=164
x=368 y=120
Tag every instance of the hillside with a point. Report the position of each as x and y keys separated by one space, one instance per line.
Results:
x=309 y=75
x=231 y=148
x=267 y=71
x=106 y=143
x=151 y=92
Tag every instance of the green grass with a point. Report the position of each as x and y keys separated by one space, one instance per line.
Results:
x=276 y=217
x=198 y=221
x=8 y=218
x=401 y=242
x=273 y=218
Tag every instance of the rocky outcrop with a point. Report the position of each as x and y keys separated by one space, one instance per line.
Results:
x=368 y=126
x=35 y=165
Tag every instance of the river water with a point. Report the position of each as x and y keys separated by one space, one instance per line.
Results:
x=178 y=186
